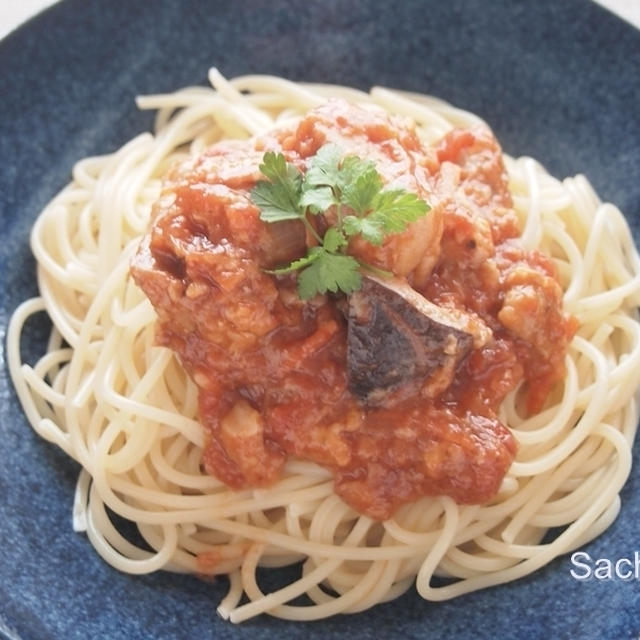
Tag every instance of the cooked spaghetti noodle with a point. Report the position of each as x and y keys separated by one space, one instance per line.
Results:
x=125 y=409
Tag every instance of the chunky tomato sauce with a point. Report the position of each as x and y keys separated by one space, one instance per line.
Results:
x=272 y=369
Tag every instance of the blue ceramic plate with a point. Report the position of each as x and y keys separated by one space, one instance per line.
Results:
x=556 y=80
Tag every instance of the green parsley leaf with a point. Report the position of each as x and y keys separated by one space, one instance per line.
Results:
x=369 y=228
x=324 y=167
x=332 y=180
x=318 y=199
x=329 y=272
x=278 y=199
x=301 y=263
x=351 y=168
x=278 y=170
x=394 y=209
x=360 y=190
x=334 y=239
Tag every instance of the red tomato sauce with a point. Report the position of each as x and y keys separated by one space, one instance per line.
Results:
x=271 y=369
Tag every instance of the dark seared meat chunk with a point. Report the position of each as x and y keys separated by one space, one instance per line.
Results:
x=400 y=344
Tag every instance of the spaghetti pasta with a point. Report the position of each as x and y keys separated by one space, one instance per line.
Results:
x=126 y=411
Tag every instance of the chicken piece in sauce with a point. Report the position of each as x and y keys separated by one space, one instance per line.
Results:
x=279 y=377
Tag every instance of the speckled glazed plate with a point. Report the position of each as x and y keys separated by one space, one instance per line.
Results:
x=558 y=80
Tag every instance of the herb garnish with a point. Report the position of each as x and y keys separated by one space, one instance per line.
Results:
x=353 y=187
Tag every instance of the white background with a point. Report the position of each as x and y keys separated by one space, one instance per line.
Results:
x=14 y=12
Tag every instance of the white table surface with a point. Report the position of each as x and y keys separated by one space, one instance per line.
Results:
x=15 y=12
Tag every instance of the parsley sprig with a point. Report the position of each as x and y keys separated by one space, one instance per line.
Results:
x=362 y=207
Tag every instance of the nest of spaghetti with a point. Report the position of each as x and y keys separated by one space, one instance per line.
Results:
x=472 y=389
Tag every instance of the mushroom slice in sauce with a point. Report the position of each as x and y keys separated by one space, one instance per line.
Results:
x=400 y=344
